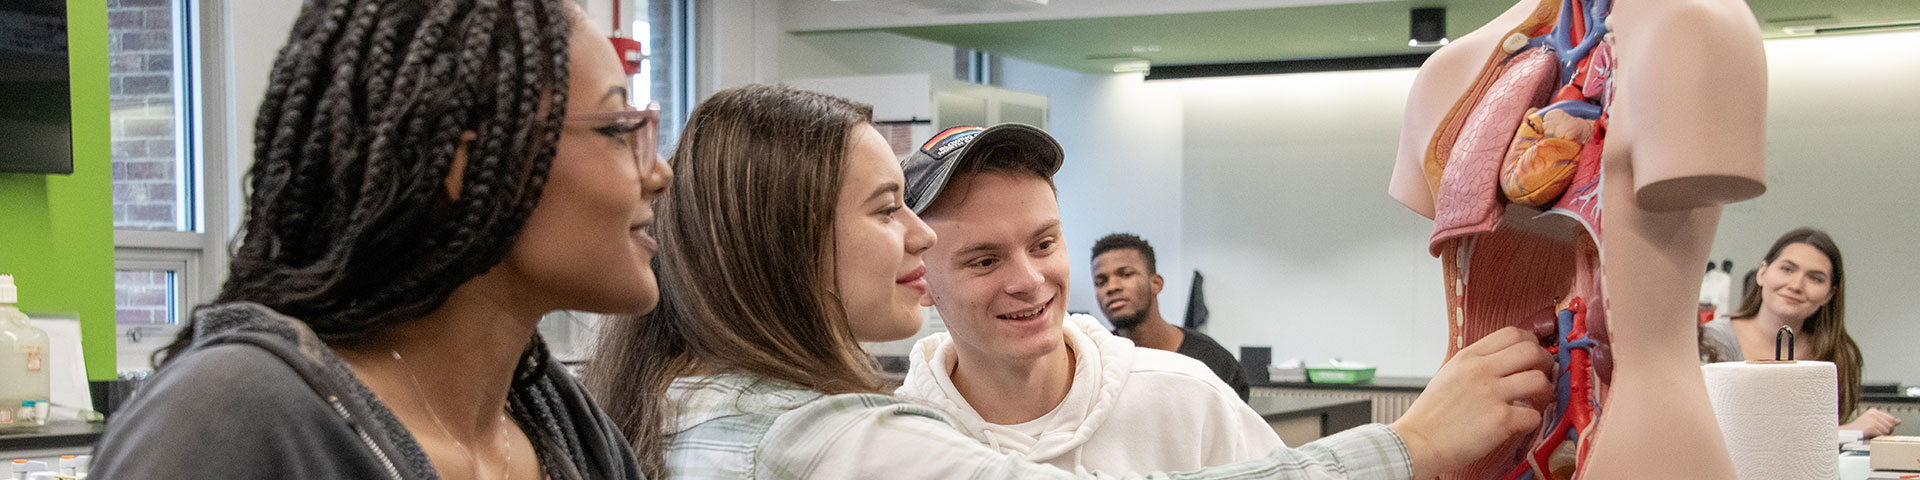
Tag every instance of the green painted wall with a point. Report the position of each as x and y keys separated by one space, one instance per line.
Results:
x=56 y=231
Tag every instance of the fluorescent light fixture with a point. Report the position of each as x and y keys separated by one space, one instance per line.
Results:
x=1132 y=66
x=1799 y=30
x=1803 y=30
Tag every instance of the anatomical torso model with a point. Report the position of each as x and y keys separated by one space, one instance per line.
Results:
x=1574 y=155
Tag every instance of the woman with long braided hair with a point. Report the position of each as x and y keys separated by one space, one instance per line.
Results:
x=430 y=177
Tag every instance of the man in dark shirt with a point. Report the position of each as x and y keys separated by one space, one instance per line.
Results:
x=1127 y=286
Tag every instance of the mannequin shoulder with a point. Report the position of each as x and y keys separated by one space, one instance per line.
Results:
x=1681 y=27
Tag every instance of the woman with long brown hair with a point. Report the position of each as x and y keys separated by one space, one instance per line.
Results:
x=430 y=177
x=1801 y=284
x=787 y=243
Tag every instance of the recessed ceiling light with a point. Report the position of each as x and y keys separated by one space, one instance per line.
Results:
x=1132 y=66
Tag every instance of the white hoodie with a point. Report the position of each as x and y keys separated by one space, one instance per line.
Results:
x=1130 y=410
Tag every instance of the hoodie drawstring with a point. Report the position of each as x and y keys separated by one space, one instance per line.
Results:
x=992 y=440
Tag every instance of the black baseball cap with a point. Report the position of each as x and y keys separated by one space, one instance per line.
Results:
x=929 y=169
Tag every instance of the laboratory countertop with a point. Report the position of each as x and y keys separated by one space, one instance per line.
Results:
x=1400 y=384
x=53 y=435
x=1331 y=415
x=1888 y=398
x=1279 y=408
x=1417 y=384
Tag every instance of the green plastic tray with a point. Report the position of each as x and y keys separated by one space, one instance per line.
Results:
x=1339 y=375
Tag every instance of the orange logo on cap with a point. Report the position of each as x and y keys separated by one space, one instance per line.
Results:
x=951 y=134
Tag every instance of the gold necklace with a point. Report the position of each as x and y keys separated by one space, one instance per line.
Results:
x=473 y=463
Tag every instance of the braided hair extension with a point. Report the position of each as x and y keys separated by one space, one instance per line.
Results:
x=350 y=224
x=531 y=405
x=555 y=436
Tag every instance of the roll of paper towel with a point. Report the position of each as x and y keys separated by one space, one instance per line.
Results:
x=1778 y=418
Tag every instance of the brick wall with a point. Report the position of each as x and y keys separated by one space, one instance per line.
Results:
x=140 y=297
x=899 y=136
x=141 y=74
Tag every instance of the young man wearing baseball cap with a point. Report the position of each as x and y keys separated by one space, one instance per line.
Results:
x=1013 y=369
x=1017 y=373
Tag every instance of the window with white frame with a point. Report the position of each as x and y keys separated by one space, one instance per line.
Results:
x=665 y=31
x=164 y=258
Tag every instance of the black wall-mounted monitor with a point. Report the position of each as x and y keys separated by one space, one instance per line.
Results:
x=36 y=107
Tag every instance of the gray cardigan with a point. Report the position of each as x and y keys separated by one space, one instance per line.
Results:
x=1718 y=335
x=257 y=395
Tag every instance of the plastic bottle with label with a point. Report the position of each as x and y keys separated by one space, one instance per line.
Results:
x=23 y=359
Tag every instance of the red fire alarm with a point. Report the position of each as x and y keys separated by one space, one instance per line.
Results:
x=631 y=53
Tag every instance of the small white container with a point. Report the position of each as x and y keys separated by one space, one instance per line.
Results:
x=1292 y=370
